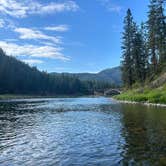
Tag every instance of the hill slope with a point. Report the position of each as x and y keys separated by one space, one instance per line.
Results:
x=112 y=75
x=17 y=77
x=152 y=92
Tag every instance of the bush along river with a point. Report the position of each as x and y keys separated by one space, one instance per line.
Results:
x=81 y=132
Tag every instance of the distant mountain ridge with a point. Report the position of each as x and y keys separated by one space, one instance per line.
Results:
x=112 y=75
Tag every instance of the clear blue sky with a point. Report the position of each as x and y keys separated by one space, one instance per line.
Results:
x=66 y=35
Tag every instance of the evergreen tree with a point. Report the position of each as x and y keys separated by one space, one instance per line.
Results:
x=144 y=49
x=138 y=58
x=152 y=34
x=127 y=50
x=145 y=53
x=157 y=34
x=17 y=77
x=161 y=31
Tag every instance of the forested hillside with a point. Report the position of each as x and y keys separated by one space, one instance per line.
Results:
x=112 y=76
x=144 y=56
x=17 y=77
x=144 y=46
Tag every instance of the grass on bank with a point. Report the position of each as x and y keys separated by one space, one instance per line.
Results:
x=20 y=96
x=10 y=96
x=157 y=95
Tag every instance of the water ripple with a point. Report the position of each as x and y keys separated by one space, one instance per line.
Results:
x=79 y=131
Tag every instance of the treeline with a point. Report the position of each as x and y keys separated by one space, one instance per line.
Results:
x=16 y=77
x=144 y=46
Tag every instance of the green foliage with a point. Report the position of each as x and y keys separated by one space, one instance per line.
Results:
x=127 y=49
x=144 y=54
x=17 y=77
x=148 y=95
x=156 y=33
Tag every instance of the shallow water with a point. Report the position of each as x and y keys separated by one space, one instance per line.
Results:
x=81 y=132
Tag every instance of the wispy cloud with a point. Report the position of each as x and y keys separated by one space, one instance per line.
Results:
x=6 y=23
x=115 y=8
x=54 y=7
x=32 y=61
x=20 y=8
x=110 y=6
x=10 y=40
x=59 y=28
x=48 y=44
x=27 y=33
x=33 y=51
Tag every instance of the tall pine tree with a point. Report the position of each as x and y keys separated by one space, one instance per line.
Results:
x=144 y=49
x=139 y=58
x=157 y=34
x=161 y=31
x=127 y=50
x=152 y=34
x=145 y=53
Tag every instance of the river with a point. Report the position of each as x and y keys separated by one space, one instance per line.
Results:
x=81 y=132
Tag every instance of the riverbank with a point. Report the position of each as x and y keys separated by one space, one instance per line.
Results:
x=142 y=103
x=12 y=96
x=156 y=96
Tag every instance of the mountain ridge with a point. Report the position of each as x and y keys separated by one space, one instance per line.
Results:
x=110 y=75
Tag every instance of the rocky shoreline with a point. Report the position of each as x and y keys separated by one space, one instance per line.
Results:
x=143 y=103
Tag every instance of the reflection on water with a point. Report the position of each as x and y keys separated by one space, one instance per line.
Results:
x=144 y=129
x=81 y=131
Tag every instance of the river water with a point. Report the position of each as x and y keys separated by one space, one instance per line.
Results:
x=81 y=132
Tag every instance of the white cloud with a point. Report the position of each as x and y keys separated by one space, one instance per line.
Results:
x=59 y=28
x=110 y=6
x=33 y=51
x=54 y=7
x=11 y=40
x=47 y=43
x=13 y=8
x=6 y=23
x=27 y=33
x=21 y=8
x=115 y=8
x=32 y=61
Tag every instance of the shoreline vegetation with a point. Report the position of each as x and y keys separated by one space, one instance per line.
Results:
x=22 y=96
x=143 y=61
x=146 y=96
x=13 y=96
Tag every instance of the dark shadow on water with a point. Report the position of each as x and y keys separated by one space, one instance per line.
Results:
x=144 y=129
